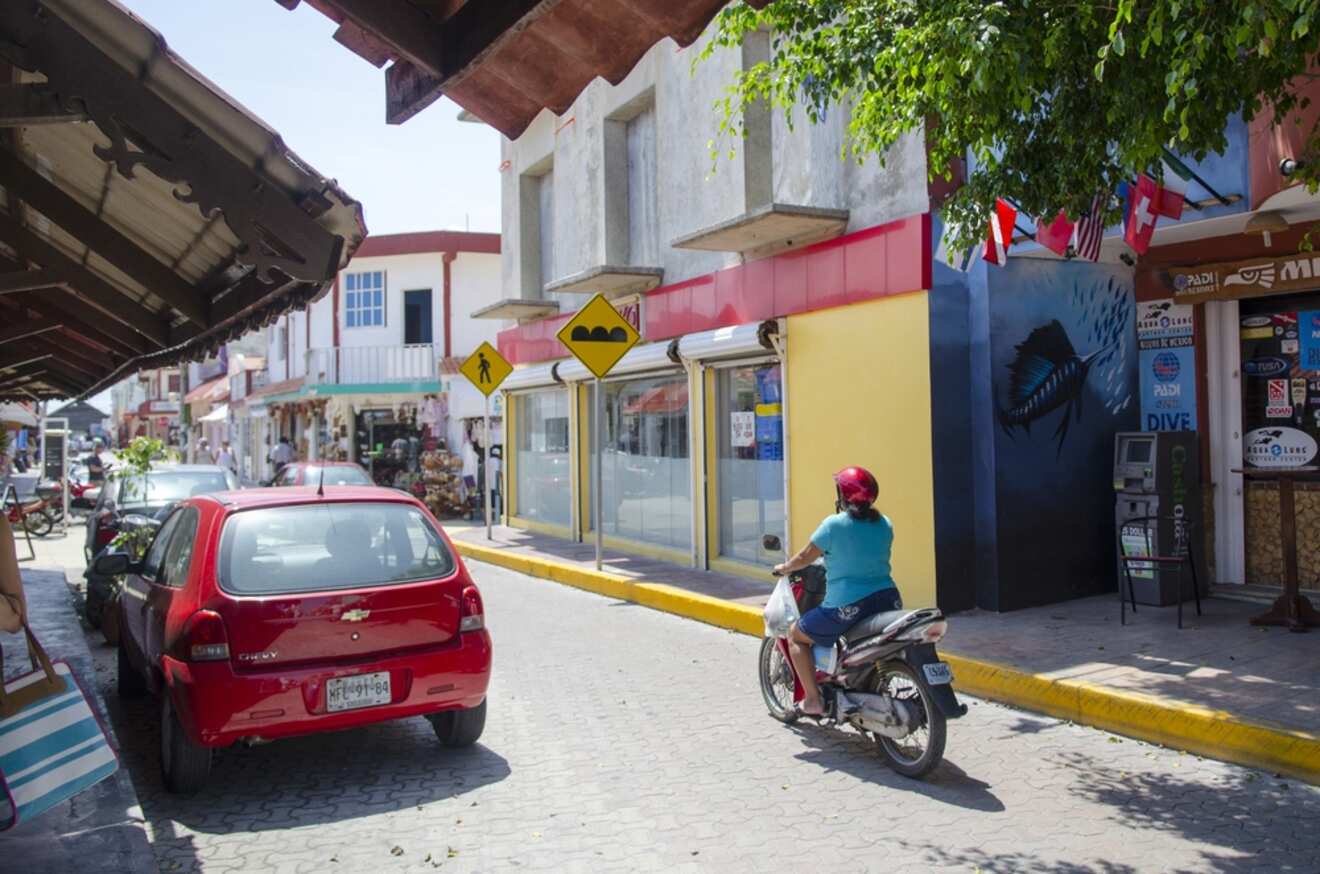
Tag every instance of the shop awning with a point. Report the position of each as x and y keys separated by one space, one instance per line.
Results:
x=148 y=218
x=506 y=61
x=211 y=392
x=219 y=414
x=17 y=416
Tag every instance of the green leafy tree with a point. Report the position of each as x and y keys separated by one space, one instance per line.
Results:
x=1055 y=101
x=134 y=463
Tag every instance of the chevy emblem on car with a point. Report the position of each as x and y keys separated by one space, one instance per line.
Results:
x=354 y=615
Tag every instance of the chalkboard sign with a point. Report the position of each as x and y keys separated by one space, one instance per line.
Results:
x=54 y=460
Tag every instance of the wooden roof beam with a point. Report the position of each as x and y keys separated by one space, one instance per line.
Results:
x=27 y=280
x=25 y=328
x=15 y=360
x=50 y=200
x=32 y=103
x=110 y=300
x=59 y=305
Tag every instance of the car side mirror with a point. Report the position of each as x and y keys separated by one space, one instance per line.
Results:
x=113 y=564
x=771 y=543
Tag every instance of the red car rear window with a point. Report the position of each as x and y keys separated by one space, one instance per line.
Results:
x=328 y=546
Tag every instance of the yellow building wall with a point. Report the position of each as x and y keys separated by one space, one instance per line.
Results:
x=859 y=393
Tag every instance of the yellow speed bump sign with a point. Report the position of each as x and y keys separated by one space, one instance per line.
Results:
x=598 y=336
x=486 y=368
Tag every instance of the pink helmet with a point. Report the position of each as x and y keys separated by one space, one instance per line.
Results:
x=855 y=485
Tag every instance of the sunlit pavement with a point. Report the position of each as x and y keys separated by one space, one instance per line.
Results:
x=620 y=738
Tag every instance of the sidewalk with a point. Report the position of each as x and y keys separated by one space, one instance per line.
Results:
x=1218 y=687
x=101 y=829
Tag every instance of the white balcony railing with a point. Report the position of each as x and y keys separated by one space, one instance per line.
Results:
x=359 y=365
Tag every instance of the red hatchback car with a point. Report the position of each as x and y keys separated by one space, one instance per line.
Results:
x=269 y=613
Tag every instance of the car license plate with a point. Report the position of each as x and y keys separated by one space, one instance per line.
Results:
x=938 y=674
x=364 y=690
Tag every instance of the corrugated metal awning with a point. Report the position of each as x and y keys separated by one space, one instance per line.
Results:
x=147 y=217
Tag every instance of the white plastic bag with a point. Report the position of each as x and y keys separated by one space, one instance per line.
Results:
x=781 y=610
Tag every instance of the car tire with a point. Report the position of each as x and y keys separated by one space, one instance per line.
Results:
x=459 y=728
x=129 y=682
x=184 y=765
x=93 y=605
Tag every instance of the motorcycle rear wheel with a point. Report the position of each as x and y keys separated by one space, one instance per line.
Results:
x=777 y=683
x=921 y=751
x=38 y=523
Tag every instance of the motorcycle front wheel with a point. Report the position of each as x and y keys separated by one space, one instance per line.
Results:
x=917 y=754
x=777 y=683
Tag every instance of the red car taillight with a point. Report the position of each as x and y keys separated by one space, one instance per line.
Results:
x=473 y=615
x=204 y=638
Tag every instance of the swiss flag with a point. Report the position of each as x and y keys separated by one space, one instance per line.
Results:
x=1143 y=209
x=1001 y=232
x=1056 y=235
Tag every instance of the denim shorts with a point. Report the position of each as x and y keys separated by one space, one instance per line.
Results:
x=825 y=625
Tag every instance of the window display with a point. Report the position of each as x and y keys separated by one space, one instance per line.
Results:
x=750 y=483
x=646 y=468
x=541 y=470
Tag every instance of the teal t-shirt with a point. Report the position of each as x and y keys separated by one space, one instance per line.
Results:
x=857 y=556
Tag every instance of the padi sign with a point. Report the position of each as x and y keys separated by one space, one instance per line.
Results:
x=1278 y=447
x=1240 y=279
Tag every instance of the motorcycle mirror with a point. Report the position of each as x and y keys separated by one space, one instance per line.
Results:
x=771 y=543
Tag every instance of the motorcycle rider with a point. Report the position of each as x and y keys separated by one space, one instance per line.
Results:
x=857 y=542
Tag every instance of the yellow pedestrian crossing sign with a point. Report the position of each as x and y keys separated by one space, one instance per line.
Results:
x=486 y=368
x=598 y=336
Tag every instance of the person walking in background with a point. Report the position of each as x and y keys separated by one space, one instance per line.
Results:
x=282 y=454
x=225 y=457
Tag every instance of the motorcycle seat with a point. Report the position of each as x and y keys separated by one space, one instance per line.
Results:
x=873 y=625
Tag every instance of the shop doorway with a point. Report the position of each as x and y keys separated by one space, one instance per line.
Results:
x=1224 y=407
x=417 y=316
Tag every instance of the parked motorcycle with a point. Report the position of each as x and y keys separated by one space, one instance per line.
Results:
x=34 y=515
x=883 y=677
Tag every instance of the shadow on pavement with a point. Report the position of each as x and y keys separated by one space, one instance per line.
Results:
x=850 y=753
x=1230 y=813
x=311 y=780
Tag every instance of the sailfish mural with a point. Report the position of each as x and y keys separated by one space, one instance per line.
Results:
x=1047 y=373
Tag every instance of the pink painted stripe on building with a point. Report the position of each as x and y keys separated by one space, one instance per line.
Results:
x=893 y=258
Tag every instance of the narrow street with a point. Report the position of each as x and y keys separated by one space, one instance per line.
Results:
x=620 y=738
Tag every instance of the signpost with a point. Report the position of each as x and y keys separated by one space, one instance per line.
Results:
x=598 y=337
x=486 y=369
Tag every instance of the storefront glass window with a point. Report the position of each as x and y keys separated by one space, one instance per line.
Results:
x=541 y=469
x=751 y=461
x=646 y=469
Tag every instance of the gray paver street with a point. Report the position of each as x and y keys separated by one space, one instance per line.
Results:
x=620 y=738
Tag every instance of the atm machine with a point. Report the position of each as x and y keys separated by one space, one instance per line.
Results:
x=1158 y=473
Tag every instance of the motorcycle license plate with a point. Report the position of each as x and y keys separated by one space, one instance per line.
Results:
x=938 y=674
x=363 y=690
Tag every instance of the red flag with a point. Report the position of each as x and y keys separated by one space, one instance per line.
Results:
x=1143 y=209
x=1001 y=233
x=1056 y=235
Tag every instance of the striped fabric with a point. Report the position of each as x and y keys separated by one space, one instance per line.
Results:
x=50 y=750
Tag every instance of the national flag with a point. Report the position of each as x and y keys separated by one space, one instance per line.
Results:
x=1089 y=232
x=1057 y=235
x=1001 y=232
x=1142 y=213
x=1173 y=190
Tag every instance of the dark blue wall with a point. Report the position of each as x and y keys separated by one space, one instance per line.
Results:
x=1022 y=518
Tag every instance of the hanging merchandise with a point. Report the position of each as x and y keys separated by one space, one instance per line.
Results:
x=442 y=482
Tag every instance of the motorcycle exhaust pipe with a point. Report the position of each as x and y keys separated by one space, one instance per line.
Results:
x=875 y=713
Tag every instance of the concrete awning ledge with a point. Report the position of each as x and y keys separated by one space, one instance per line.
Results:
x=518 y=308
x=768 y=230
x=610 y=280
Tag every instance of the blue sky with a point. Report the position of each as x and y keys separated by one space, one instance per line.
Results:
x=432 y=172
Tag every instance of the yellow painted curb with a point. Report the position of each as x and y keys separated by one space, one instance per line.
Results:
x=1180 y=725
